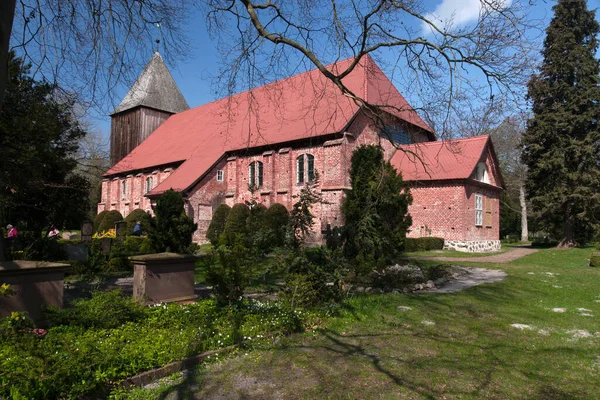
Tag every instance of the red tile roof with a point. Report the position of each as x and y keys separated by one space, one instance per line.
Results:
x=302 y=106
x=443 y=160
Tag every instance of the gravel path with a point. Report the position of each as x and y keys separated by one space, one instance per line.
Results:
x=509 y=256
x=472 y=277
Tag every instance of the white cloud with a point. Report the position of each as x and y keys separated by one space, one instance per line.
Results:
x=457 y=13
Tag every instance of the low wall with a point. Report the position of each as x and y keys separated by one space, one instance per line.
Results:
x=163 y=277
x=36 y=284
x=472 y=246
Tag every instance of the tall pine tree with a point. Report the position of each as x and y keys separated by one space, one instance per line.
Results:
x=561 y=146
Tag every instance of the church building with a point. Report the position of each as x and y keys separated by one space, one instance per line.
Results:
x=266 y=143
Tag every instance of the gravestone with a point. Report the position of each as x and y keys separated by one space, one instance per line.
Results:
x=120 y=229
x=36 y=284
x=87 y=229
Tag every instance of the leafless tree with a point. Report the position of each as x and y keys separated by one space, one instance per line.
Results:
x=90 y=46
x=442 y=63
x=507 y=143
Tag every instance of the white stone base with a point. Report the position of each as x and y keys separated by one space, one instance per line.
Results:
x=472 y=246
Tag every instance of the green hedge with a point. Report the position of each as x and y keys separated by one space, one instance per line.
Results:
x=595 y=259
x=423 y=244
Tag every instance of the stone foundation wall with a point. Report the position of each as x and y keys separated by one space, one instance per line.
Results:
x=472 y=246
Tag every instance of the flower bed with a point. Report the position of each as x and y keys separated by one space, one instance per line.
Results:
x=99 y=342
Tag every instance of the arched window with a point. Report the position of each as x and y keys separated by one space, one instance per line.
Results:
x=149 y=184
x=123 y=189
x=482 y=175
x=305 y=168
x=255 y=174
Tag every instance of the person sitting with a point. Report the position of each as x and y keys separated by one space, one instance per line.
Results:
x=137 y=229
x=12 y=231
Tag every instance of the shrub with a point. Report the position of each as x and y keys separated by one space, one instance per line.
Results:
x=313 y=278
x=375 y=210
x=229 y=272
x=235 y=227
x=105 y=310
x=261 y=237
x=172 y=228
x=595 y=259
x=109 y=220
x=423 y=244
x=138 y=215
x=98 y=219
x=134 y=245
x=277 y=219
x=217 y=224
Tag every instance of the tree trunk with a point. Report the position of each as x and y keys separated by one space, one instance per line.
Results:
x=7 y=16
x=568 y=240
x=524 y=227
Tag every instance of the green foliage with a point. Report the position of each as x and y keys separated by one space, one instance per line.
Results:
x=313 y=278
x=99 y=342
x=98 y=219
x=229 y=271
x=109 y=220
x=375 y=210
x=595 y=259
x=39 y=136
x=262 y=238
x=135 y=216
x=217 y=224
x=423 y=244
x=172 y=228
x=562 y=141
x=236 y=225
x=277 y=220
x=134 y=245
x=105 y=310
x=301 y=217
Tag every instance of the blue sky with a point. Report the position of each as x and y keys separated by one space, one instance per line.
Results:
x=195 y=75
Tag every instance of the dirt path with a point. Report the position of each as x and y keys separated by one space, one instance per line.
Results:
x=472 y=277
x=509 y=256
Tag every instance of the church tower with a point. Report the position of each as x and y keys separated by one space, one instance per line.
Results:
x=152 y=99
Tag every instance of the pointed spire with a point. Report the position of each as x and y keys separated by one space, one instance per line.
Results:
x=154 y=88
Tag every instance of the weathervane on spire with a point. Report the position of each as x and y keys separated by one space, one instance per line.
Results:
x=157 y=39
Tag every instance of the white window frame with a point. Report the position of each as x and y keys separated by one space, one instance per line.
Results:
x=149 y=184
x=220 y=175
x=255 y=174
x=304 y=172
x=478 y=210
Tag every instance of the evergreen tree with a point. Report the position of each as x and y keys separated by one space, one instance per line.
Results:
x=562 y=141
x=172 y=229
x=375 y=210
x=217 y=224
x=39 y=136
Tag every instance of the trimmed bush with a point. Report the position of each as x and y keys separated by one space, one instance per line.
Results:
x=109 y=220
x=172 y=228
x=423 y=244
x=595 y=259
x=98 y=220
x=138 y=215
x=134 y=245
x=236 y=224
x=260 y=235
x=277 y=219
x=217 y=224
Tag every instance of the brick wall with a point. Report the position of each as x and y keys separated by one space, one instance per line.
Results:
x=447 y=209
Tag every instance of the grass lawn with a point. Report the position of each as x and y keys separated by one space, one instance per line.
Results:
x=463 y=345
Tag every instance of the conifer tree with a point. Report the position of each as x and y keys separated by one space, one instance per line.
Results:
x=562 y=143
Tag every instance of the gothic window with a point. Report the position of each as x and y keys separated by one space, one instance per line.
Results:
x=255 y=174
x=482 y=175
x=396 y=134
x=305 y=168
x=123 y=190
x=148 y=184
x=478 y=210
